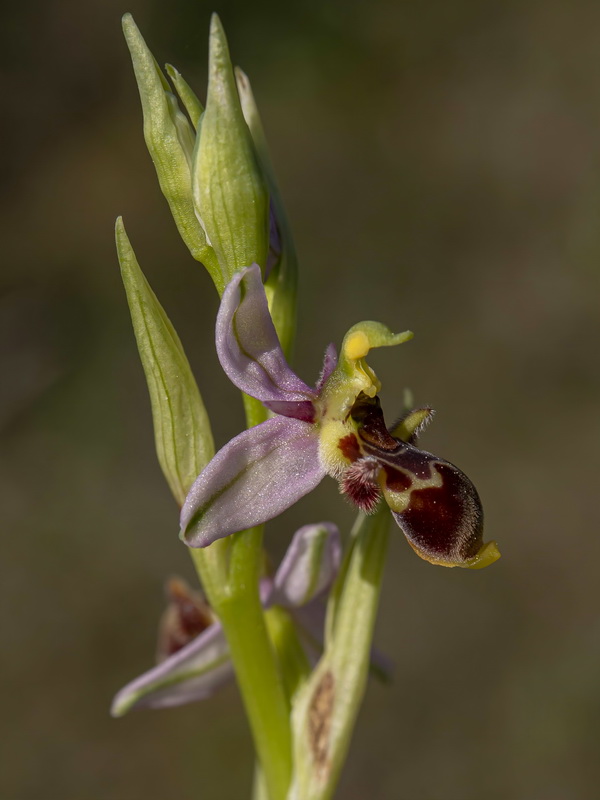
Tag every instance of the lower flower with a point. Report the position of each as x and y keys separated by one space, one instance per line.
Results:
x=192 y=650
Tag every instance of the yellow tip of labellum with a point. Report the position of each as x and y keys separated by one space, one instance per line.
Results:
x=486 y=556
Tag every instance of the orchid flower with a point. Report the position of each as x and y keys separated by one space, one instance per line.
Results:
x=193 y=654
x=335 y=429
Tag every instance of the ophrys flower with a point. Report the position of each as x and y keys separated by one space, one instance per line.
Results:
x=337 y=429
x=193 y=654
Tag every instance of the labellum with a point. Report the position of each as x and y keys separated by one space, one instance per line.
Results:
x=434 y=503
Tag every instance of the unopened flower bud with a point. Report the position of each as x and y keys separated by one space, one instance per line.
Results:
x=281 y=275
x=229 y=192
x=170 y=140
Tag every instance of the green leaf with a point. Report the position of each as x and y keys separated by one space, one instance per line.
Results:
x=229 y=191
x=184 y=442
x=170 y=140
x=326 y=708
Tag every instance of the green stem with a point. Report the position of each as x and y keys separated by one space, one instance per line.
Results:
x=236 y=601
x=235 y=598
x=256 y=671
x=211 y=566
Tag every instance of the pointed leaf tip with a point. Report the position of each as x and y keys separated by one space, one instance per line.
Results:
x=127 y=20
x=216 y=26
x=122 y=241
x=131 y=31
x=218 y=45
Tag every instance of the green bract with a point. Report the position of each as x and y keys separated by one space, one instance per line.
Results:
x=193 y=106
x=184 y=442
x=229 y=192
x=325 y=709
x=282 y=273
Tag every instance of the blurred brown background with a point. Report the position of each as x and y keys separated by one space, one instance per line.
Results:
x=441 y=166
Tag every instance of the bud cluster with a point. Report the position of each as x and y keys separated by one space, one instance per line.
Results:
x=214 y=170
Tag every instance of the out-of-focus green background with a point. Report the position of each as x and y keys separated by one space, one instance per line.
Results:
x=441 y=166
